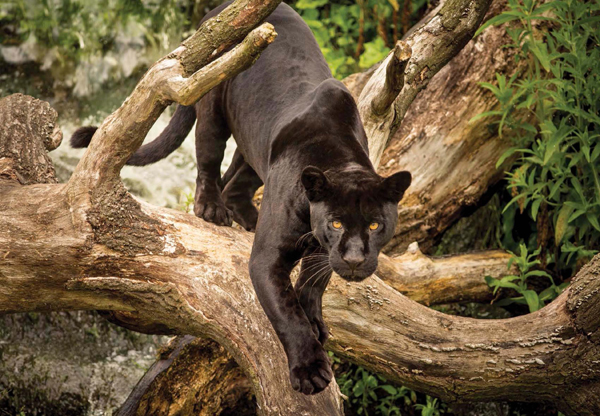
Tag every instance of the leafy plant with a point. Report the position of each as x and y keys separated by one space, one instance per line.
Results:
x=550 y=110
x=353 y=36
x=66 y=32
x=366 y=390
x=186 y=201
x=430 y=408
x=525 y=262
x=371 y=394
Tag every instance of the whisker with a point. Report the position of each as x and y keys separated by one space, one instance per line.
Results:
x=304 y=237
x=310 y=257
x=325 y=272
x=316 y=264
x=317 y=274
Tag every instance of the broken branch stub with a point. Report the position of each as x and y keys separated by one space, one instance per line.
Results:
x=394 y=78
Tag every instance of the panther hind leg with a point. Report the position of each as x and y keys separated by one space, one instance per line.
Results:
x=240 y=183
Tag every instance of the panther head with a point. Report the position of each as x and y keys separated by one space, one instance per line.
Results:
x=353 y=215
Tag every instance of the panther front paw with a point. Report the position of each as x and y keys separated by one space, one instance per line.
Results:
x=312 y=374
x=215 y=212
x=320 y=329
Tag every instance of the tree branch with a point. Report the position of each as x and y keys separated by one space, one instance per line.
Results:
x=121 y=134
x=452 y=159
x=90 y=245
x=394 y=67
x=199 y=285
x=187 y=91
x=433 y=281
x=433 y=44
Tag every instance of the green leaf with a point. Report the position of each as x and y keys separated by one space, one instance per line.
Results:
x=595 y=153
x=532 y=300
x=548 y=293
x=577 y=186
x=539 y=273
x=562 y=221
x=593 y=220
x=495 y=21
x=389 y=389
x=556 y=187
x=310 y=4
x=535 y=206
x=505 y=155
x=485 y=114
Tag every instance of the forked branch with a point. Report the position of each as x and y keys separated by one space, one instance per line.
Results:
x=122 y=133
x=433 y=44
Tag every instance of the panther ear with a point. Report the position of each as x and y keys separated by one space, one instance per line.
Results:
x=393 y=187
x=315 y=183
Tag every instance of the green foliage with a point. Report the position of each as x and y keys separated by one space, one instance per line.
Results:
x=430 y=408
x=525 y=262
x=186 y=201
x=550 y=110
x=354 y=36
x=75 y=29
x=371 y=394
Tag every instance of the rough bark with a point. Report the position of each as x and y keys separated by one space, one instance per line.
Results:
x=90 y=245
x=23 y=157
x=93 y=210
x=452 y=160
x=545 y=356
x=426 y=280
x=432 y=281
x=433 y=44
x=195 y=281
x=198 y=284
x=194 y=376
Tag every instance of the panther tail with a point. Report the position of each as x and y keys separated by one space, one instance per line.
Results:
x=166 y=143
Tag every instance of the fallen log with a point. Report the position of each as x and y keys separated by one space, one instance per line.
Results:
x=168 y=272
x=90 y=245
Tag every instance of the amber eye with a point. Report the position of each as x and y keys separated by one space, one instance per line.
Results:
x=374 y=226
x=336 y=224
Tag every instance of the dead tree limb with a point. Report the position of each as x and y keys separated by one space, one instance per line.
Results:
x=110 y=265
x=423 y=279
x=432 y=281
x=194 y=376
x=433 y=45
x=90 y=245
x=171 y=272
x=452 y=159
x=549 y=356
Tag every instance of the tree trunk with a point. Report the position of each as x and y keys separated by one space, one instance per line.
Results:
x=90 y=245
x=191 y=277
x=453 y=160
x=194 y=376
x=423 y=279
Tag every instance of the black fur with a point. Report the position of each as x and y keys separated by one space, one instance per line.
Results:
x=298 y=131
x=166 y=143
x=83 y=136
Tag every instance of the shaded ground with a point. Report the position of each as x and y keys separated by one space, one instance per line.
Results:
x=69 y=363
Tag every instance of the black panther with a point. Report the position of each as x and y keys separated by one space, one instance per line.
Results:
x=298 y=131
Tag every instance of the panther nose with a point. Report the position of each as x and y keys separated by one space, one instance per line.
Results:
x=354 y=260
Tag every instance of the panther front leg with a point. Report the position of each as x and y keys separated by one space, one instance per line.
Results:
x=272 y=259
x=310 y=286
